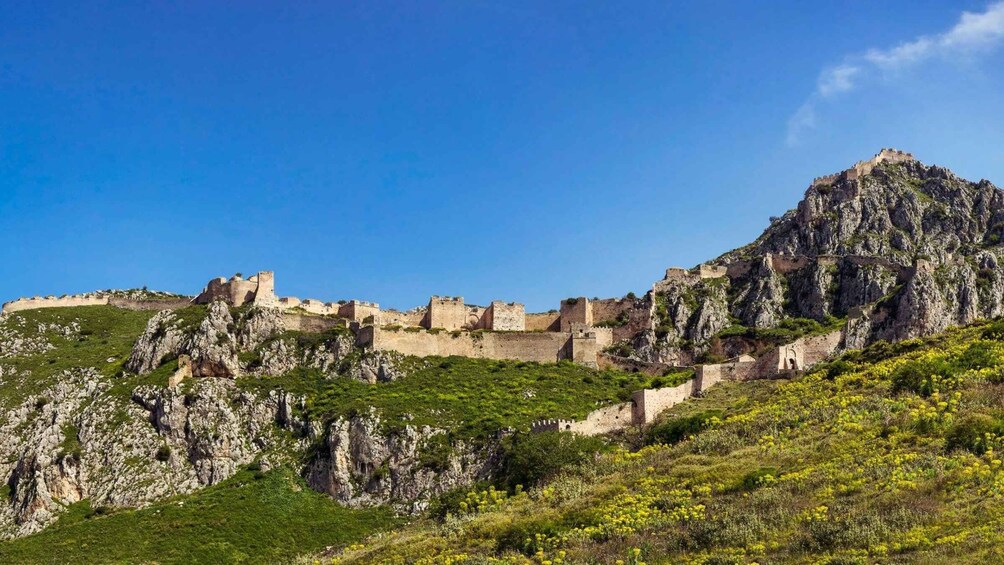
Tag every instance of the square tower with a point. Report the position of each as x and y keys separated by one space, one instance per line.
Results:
x=445 y=312
x=576 y=311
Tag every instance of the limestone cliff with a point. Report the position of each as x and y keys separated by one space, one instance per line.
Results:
x=900 y=248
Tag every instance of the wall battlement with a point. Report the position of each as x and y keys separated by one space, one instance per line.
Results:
x=862 y=168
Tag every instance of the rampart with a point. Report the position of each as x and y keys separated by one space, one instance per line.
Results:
x=575 y=311
x=311 y=324
x=259 y=289
x=447 y=313
x=647 y=404
x=543 y=322
x=359 y=311
x=95 y=299
x=149 y=304
x=54 y=302
x=542 y=347
x=626 y=316
x=503 y=316
x=862 y=168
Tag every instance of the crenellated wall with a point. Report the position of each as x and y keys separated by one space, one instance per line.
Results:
x=862 y=168
x=446 y=312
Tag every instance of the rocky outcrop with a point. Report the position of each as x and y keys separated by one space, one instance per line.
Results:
x=361 y=465
x=213 y=346
x=901 y=248
x=161 y=340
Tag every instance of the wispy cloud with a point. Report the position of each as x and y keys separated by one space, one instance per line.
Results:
x=975 y=33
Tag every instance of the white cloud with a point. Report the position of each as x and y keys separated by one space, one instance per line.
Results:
x=836 y=80
x=974 y=33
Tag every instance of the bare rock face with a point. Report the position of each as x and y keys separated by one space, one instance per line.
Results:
x=161 y=340
x=258 y=325
x=376 y=366
x=213 y=346
x=760 y=300
x=361 y=465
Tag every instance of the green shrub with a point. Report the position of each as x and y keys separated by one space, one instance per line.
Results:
x=921 y=376
x=758 y=478
x=529 y=459
x=678 y=429
x=974 y=433
x=163 y=453
x=435 y=453
x=994 y=331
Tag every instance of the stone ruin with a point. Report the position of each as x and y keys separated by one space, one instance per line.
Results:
x=862 y=168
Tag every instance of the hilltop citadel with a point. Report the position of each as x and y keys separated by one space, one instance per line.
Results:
x=597 y=332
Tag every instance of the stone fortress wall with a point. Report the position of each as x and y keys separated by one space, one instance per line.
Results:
x=502 y=330
x=862 y=168
x=445 y=326
x=647 y=404
x=94 y=299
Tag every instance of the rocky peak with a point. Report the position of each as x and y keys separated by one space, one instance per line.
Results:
x=892 y=206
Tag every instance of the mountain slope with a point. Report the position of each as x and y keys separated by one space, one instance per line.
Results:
x=891 y=454
x=893 y=248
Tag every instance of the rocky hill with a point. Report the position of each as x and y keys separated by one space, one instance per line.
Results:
x=119 y=400
x=892 y=248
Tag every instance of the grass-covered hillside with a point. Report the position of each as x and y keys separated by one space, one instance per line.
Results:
x=474 y=398
x=888 y=455
x=253 y=517
x=86 y=441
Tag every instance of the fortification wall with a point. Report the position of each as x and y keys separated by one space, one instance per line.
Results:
x=575 y=311
x=54 y=302
x=705 y=271
x=542 y=347
x=357 y=311
x=862 y=168
x=503 y=316
x=448 y=313
x=605 y=420
x=318 y=307
x=264 y=294
x=731 y=371
x=816 y=349
x=626 y=316
x=649 y=403
x=149 y=305
x=543 y=322
x=310 y=324
x=410 y=318
x=241 y=291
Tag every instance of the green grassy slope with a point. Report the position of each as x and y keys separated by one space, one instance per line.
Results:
x=251 y=518
x=891 y=455
x=472 y=397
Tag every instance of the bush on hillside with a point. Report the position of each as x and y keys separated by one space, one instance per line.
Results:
x=678 y=429
x=529 y=459
x=976 y=433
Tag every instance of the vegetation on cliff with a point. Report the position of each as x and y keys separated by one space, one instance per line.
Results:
x=890 y=454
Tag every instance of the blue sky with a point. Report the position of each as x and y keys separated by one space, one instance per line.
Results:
x=514 y=150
